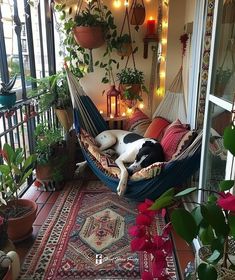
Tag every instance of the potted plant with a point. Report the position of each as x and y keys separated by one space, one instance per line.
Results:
x=20 y=213
x=7 y=96
x=90 y=28
x=50 y=154
x=131 y=85
x=54 y=91
x=123 y=45
x=137 y=13
x=222 y=78
x=212 y=221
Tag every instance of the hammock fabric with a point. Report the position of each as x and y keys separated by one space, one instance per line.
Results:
x=175 y=172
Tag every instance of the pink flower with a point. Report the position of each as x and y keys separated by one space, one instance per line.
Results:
x=159 y=266
x=144 y=208
x=146 y=276
x=227 y=202
x=143 y=219
x=137 y=231
x=139 y=244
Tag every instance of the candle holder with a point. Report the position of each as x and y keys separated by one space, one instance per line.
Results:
x=150 y=36
x=113 y=102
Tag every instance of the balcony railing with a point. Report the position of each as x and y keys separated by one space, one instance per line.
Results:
x=17 y=126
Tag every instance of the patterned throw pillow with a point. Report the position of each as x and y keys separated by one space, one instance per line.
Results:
x=186 y=141
x=172 y=138
x=138 y=122
x=108 y=165
x=156 y=128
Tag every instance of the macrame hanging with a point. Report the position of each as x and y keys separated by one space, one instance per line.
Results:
x=89 y=37
x=133 y=88
x=137 y=13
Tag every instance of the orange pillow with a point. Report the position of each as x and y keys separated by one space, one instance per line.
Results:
x=156 y=128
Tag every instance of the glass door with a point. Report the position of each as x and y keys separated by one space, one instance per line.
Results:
x=216 y=162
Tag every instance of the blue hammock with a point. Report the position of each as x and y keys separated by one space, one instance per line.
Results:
x=174 y=173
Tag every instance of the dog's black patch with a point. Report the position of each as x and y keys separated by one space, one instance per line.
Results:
x=131 y=137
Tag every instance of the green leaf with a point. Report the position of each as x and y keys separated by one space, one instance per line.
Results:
x=197 y=215
x=229 y=136
x=184 y=224
x=9 y=151
x=215 y=217
x=164 y=200
x=214 y=257
x=206 y=272
x=185 y=192
x=206 y=235
x=231 y=221
x=4 y=169
x=226 y=185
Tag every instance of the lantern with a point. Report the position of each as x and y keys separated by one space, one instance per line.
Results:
x=113 y=102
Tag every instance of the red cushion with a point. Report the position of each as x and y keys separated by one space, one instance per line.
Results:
x=156 y=128
x=138 y=122
x=172 y=137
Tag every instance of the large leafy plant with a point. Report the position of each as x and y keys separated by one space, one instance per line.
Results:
x=6 y=88
x=14 y=171
x=211 y=221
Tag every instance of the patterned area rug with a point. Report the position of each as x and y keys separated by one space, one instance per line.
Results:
x=86 y=237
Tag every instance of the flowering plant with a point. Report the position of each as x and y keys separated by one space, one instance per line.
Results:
x=147 y=239
x=212 y=221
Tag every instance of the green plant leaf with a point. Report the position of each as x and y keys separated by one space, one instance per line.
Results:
x=197 y=215
x=215 y=217
x=4 y=169
x=226 y=185
x=184 y=224
x=9 y=151
x=229 y=136
x=206 y=235
x=185 y=192
x=206 y=272
x=164 y=200
x=214 y=257
x=231 y=221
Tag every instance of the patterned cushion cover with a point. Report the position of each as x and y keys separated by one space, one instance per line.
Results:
x=138 y=122
x=156 y=128
x=172 y=138
x=186 y=141
x=108 y=165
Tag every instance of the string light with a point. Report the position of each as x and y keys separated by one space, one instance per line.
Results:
x=162 y=74
x=117 y=3
x=101 y=112
x=160 y=91
x=129 y=111
x=164 y=24
x=123 y=114
x=164 y=41
x=141 y=105
x=126 y=3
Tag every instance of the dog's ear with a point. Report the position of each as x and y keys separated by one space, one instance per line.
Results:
x=148 y=143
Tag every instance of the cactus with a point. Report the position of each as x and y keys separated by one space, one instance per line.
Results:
x=7 y=87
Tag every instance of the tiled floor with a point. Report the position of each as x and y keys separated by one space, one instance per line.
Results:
x=46 y=200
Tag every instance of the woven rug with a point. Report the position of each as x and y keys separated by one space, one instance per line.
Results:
x=86 y=237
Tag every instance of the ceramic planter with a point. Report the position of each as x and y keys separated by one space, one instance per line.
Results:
x=125 y=49
x=137 y=15
x=20 y=228
x=135 y=90
x=65 y=117
x=89 y=37
x=8 y=100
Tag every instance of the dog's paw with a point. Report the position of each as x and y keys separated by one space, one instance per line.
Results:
x=121 y=190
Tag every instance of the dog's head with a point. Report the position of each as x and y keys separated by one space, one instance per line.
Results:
x=148 y=154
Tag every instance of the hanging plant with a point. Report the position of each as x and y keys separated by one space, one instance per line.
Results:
x=137 y=13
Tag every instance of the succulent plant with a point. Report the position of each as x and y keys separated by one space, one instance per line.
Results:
x=6 y=88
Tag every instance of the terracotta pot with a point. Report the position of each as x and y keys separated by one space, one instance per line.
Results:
x=137 y=15
x=125 y=49
x=134 y=88
x=21 y=228
x=89 y=37
x=65 y=117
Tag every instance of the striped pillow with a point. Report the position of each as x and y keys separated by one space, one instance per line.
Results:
x=172 y=138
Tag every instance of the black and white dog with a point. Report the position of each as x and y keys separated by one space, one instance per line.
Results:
x=130 y=148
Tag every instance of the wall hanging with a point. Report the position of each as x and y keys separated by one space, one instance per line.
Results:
x=137 y=13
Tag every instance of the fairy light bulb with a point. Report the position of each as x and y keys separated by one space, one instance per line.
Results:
x=164 y=41
x=165 y=24
x=126 y=3
x=117 y=4
x=141 y=105
x=162 y=74
x=129 y=111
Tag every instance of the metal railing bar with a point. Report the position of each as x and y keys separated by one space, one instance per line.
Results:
x=3 y=55
x=41 y=40
x=18 y=28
